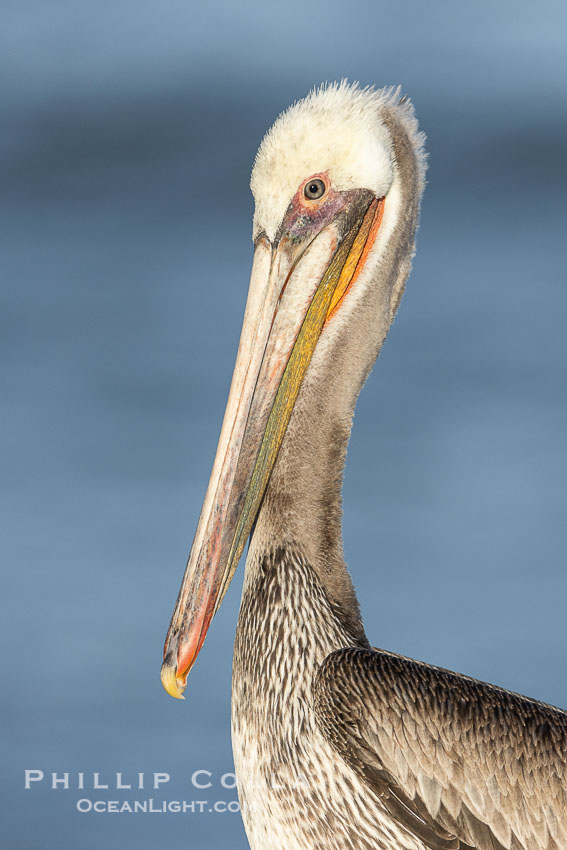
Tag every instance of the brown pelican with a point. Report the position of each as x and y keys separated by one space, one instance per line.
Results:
x=338 y=745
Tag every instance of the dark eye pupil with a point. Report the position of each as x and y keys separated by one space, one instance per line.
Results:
x=314 y=189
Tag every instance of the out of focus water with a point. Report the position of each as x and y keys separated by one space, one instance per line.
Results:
x=128 y=132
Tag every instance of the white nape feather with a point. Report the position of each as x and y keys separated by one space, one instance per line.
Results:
x=335 y=129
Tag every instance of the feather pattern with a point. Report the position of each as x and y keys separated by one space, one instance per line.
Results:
x=503 y=785
x=296 y=791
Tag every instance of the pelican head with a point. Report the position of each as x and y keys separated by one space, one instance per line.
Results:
x=329 y=195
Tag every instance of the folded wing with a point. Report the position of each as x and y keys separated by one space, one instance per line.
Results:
x=460 y=763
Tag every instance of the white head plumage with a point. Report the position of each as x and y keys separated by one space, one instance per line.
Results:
x=337 y=129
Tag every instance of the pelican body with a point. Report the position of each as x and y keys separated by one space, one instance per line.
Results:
x=338 y=745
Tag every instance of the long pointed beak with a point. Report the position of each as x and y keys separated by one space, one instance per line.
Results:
x=294 y=290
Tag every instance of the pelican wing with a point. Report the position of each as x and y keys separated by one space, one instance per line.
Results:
x=459 y=763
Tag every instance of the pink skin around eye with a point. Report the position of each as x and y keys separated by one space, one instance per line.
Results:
x=305 y=217
x=314 y=203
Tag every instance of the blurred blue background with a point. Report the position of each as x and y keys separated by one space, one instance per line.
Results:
x=128 y=133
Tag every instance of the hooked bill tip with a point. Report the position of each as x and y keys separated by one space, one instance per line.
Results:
x=170 y=682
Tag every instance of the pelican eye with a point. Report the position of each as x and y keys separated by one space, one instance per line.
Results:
x=314 y=189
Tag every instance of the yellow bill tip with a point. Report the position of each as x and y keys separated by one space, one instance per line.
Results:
x=172 y=685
